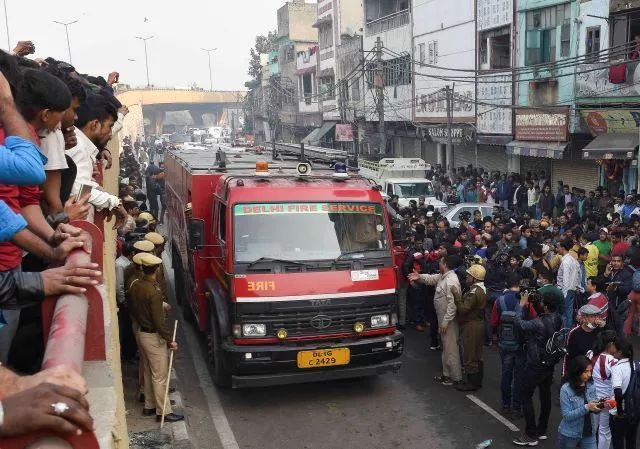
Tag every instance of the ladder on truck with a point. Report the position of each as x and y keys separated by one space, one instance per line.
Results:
x=310 y=152
x=396 y=167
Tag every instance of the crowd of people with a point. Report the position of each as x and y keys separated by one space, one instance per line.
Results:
x=550 y=279
x=55 y=124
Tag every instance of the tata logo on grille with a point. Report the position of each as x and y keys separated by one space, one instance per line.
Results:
x=320 y=322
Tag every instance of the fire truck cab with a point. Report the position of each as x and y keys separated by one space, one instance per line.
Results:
x=286 y=267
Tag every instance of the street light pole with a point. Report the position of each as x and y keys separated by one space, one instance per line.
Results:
x=6 y=21
x=209 y=50
x=66 y=29
x=146 y=57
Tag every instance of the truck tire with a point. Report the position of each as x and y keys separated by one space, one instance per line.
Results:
x=221 y=375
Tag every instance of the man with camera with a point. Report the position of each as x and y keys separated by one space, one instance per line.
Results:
x=540 y=365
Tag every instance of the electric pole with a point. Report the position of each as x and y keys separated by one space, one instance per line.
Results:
x=209 y=50
x=449 y=91
x=66 y=29
x=379 y=84
x=146 y=57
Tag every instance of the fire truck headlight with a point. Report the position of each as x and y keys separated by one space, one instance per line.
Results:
x=254 y=330
x=380 y=321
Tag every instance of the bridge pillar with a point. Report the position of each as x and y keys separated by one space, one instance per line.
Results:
x=197 y=118
x=156 y=117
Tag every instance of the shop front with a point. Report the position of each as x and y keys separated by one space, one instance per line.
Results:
x=614 y=149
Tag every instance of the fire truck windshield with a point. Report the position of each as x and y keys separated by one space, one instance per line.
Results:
x=308 y=231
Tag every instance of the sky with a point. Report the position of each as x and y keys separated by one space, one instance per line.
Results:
x=104 y=39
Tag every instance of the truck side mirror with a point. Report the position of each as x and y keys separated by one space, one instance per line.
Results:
x=196 y=233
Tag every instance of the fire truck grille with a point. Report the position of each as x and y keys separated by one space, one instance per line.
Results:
x=324 y=321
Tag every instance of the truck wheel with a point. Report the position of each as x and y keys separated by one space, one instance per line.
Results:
x=221 y=376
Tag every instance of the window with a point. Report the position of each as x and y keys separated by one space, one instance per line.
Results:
x=495 y=48
x=396 y=72
x=422 y=52
x=222 y=223
x=307 y=88
x=625 y=27
x=355 y=90
x=327 y=88
x=541 y=31
x=377 y=9
x=325 y=36
x=433 y=52
x=592 y=50
x=565 y=40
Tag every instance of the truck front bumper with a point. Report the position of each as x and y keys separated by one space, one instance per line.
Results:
x=277 y=364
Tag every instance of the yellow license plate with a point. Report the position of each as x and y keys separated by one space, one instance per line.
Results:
x=324 y=357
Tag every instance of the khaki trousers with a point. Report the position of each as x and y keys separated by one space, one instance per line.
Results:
x=472 y=336
x=451 y=366
x=156 y=368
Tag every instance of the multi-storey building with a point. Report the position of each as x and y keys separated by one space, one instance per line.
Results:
x=607 y=90
x=295 y=34
x=444 y=54
x=389 y=21
x=495 y=30
x=548 y=134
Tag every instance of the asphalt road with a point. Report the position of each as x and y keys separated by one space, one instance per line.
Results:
x=405 y=410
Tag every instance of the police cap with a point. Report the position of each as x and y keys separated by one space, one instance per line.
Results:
x=154 y=238
x=147 y=216
x=144 y=245
x=149 y=260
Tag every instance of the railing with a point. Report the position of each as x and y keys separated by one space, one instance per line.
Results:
x=74 y=329
x=311 y=152
x=386 y=23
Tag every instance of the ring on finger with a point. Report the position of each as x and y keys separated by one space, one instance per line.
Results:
x=60 y=407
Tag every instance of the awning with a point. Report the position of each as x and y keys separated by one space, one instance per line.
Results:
x=611 y=146
x=489 y=139
x=552 y=150
x=317 y=134
x=327 y=73
x=322 y=21
x=305 y=71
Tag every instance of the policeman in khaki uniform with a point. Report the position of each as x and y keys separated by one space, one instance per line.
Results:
x=134 y=270
x=470 y=313
x=153 y=336
x=158 y=245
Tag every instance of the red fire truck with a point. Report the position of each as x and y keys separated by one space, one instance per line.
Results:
x=286 y=268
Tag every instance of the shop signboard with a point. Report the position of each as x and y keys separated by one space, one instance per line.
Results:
x=542 y=124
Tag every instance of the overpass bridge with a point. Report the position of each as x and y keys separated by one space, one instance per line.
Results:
x=152 y=104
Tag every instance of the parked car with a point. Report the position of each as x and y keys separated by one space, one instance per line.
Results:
x=453 y=213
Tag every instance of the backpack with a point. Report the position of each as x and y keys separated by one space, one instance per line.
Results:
x=631 y=397
x=555 y=346
x=507 y=335
x=635 y=281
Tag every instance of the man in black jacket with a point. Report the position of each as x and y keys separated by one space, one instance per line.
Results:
x=539 y=368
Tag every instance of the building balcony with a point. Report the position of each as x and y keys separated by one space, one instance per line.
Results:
x=386 y=23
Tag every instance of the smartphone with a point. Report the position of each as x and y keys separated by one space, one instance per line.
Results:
x=84 y=190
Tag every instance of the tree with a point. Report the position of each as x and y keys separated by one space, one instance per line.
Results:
x=264 y=44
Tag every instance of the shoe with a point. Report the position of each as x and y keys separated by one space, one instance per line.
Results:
x=171 y=417
x=141 y=397
x=525 y=440
x=148 y=411
x=420 y=327
x=465 y=386
x=434 y=348
x=444 y=380
x=543 y=436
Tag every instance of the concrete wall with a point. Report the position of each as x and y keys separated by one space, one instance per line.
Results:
x=453 y=30
x=350 y=16
x=300 y=18
x=106 y=395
